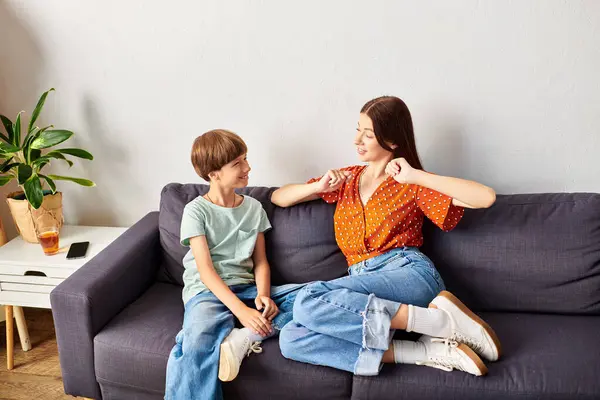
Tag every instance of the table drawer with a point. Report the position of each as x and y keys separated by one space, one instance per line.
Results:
x=35 y=280
x=25 y=299
x=40 y=271
x=22 y=287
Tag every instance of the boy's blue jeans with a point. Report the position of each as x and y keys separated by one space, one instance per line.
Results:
x=345 y=323
x=193 y=366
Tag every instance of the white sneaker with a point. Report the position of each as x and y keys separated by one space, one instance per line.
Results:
x=448 y=354
x=234 y=348
x=468 y=328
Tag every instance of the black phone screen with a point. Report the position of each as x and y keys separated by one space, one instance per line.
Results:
x=78 y=250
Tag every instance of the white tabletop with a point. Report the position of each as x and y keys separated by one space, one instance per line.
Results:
x=18 y=252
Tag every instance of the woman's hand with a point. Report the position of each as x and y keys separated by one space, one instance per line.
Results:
x=332 y=180
x=400 y=170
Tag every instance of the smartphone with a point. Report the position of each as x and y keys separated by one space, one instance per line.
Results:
x=77 y=250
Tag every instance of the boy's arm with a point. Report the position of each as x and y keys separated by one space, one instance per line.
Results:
x=262 y=275
x=248 y=317
x=262 y=271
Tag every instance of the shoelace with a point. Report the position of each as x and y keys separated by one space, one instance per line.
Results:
x=446 y=363
x=254 y=348
x=476 y=346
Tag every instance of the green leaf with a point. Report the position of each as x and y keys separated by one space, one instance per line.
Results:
x=24 y=172
x=9 y=167
x=34 y=134
x=76 y=153
x=33 y=191
x=56 y=154
x=80 y=181
x=38 y=109
x=8 y=148
x=16 y=139
x=9 y=129
x=5 y=164
x=34 y=155
x=50 y=138
x=42 y=163
x=5 y=179
x=50 y=182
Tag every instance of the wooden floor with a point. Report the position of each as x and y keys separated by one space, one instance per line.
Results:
x=37 y=372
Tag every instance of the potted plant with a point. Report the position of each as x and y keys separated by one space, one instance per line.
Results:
x=22 y=158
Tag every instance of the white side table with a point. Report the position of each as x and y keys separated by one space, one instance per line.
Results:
x=27 y=275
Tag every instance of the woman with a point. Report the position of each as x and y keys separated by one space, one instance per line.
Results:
x=349 y=323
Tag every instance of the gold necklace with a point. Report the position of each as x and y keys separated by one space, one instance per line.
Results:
x=232 y=204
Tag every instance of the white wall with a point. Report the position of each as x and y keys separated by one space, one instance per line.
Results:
x=505 y=92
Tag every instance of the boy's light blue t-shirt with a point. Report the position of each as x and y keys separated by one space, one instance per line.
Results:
x=231 y=236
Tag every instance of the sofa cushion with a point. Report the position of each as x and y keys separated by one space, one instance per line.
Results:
x=545 y=357
x=528 y=252
x=301 y=246
x=173 y=199
x=131 y=353
x=271 y=376
x=132 y=350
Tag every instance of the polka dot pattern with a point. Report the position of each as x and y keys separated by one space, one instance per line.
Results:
x=393 y=216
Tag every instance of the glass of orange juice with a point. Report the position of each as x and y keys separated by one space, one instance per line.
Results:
x=48 y=235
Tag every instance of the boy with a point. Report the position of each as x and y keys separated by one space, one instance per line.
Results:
x=226 y=275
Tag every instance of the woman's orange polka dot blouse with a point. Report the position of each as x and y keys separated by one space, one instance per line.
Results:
x=392 y=217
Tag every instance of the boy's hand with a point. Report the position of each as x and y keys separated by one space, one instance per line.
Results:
x=332 y=180
x=253 y=320
x=270 y=309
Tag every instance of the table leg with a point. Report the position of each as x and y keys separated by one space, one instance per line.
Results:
x=9 y=337
x=22 y=328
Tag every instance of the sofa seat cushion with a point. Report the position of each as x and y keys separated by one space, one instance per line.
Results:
x=131 y=353
x=271 y=376
x=132 y=350
x=545 y=357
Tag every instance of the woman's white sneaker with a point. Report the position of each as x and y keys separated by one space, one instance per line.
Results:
x=234 y=348
x=467 y=327
x=448 y=355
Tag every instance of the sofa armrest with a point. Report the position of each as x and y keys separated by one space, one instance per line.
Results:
x=94 y=294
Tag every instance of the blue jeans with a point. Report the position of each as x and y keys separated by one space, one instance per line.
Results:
x=193 y=366
x=345 y=323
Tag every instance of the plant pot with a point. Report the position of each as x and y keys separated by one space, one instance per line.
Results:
x=24 y=215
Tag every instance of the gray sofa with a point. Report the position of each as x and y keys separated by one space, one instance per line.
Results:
x=530 y=265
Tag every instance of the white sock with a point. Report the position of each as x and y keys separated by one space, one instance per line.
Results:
x=254 y=337
x=406 y=352
x=428 y=321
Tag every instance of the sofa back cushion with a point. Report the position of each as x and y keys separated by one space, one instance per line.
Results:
x=528 y=252
x=301 y=246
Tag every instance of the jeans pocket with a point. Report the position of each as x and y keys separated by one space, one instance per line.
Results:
x=380 y=262
x=245 y=243
x=431 y=270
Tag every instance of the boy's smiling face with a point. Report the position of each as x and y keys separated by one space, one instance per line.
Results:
x=233 y=174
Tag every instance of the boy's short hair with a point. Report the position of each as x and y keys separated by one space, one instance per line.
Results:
x=212 y=150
